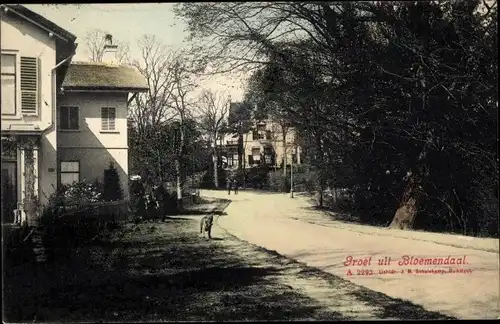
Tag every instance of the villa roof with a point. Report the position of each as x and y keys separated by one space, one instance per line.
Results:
x=88 y=76
x=41 y=21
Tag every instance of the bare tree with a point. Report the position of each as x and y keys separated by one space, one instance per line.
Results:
x=94 y=42
x=184 y=83
x=213 y=108
x=154 y=107
x=151 y=112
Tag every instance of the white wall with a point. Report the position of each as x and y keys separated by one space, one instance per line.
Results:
x=24 y=39
x=93 y=162
x=94 y=148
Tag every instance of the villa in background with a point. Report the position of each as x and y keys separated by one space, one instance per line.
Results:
x=61 y=121
x=263 y=144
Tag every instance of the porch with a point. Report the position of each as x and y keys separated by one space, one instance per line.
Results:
x=20 y=174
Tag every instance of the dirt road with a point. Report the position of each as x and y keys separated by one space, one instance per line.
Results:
x=466 y=291
x=163 y=271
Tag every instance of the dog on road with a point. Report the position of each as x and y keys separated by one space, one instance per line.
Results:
x=206 y=225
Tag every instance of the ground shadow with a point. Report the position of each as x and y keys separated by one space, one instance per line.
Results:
x=201 y=212
x=151 y=272
x=390 y=308
x=397 y=308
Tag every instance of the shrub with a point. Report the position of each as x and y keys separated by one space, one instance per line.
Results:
x=278 y=182
x=112 y=190
x=78 y=194
x=207 y=182
x=151 y=203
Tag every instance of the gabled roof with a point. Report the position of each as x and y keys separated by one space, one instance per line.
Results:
x=88 y=76
x=40 y=21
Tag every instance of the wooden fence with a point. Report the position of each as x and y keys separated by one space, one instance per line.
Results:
x=106 y=212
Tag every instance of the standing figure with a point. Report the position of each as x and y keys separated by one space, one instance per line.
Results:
x=17 y=214
x=235 y=186
x=228 y=185
x=206 y=225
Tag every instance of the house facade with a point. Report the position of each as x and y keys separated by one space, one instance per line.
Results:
x=265 y=143
x=92 y=115
x=61 y=121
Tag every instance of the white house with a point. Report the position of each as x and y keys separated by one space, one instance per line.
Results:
x=262 y=144
x=61 y=121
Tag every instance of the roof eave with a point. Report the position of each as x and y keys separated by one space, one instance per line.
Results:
x=40 y=21
x=104 y=89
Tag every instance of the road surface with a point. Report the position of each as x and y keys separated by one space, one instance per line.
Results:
x=289 y=226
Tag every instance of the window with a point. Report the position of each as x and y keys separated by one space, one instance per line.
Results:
x=269 y=159
x=69 y=118
x=8 y=82
x=108 y=117
x=29 y=86
x=70 y=172
x=256 y=155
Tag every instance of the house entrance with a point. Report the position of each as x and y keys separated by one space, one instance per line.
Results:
x=9 y=191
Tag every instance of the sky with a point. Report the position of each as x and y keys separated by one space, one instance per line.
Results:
x=127 y=22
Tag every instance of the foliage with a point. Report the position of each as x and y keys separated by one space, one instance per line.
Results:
x=213 y=108
x=395 y=100
x=255 y=177
x=278 y=182
x=304 y=178
x=148 y=203
x=153 y=153
x=239 y=123
x=207 y=180
x=112 y=190
x=77 y=194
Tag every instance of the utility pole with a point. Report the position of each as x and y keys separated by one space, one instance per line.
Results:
x=291 y=176
x=291 y=179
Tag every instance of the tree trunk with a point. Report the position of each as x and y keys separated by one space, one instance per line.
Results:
x=407 y=210
x=215 y=160
x=179 y=184
x=319 y=166
x=284 y=154
x=240 y=148
x=405 y=215
x=178 y=167
x=321 y=190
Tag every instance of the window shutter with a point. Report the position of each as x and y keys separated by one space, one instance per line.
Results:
x=104 y=118
x=74 y=118
x=108 y=116
x=111 y=117
x=64 y=117
x=29 y=85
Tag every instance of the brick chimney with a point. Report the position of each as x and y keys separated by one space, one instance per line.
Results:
x=109 y=51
